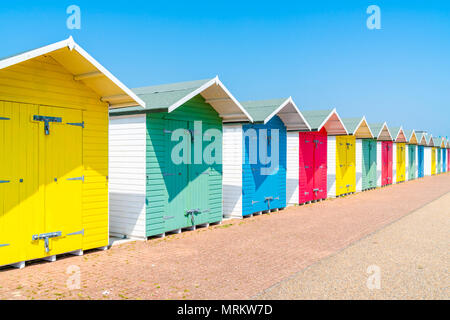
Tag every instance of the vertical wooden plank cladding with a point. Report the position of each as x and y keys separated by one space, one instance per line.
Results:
x=195 y=109
x=43 y=81
x=320 y=165
x=257 y=187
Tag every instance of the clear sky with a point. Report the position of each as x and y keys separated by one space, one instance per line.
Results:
x=319 y=52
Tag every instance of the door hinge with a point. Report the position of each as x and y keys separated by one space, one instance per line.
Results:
x=3 y=118
x=4 y=245
x=76 y=233
x=47 y=121
x=76 y=124
x=76 y=179
x=166 y=174
x=5 y=181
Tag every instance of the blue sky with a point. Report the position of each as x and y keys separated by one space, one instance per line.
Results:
x=319 y=52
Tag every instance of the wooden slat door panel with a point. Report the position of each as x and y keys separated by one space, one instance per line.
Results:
x=307 y=166
x=61 y=173
x=341 y=165
x=11 y=237
x=320 y=166
x=373 y=164
x=176 y=175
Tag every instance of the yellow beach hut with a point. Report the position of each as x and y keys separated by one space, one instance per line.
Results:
x=54 y=104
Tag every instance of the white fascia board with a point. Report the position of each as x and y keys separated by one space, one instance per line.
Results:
x=328 y=118
x=214 y=81
x=108 y=74
x=236 y=102
x=282 y=106
x=35 y=53
x=191 y=95
x=70 y=43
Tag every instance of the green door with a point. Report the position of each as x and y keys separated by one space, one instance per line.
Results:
x=411 y=162
x=183 y=189
x=369 y=164
x=372 y=176
x=197 y=208
x=175 y=175
x=201 y=204
x=366 y=164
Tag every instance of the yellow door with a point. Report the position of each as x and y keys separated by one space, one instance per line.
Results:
x=341 y=165
x=11 y=246
x=38 y=194
x=61 y=174
x=401 y=164
x=433 y=161
x=350 y=175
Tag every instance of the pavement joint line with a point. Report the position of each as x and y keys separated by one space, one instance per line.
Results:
x=294 y=275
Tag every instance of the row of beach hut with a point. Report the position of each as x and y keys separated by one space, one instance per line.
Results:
x=83 y=157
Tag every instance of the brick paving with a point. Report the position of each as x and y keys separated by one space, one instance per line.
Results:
x=235 y=260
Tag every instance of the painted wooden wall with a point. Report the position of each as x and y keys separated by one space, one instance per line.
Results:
x=331 y=166
x=292 y=168
x=127 y=176
x=379 y=163
x=427 y=161
x=359 y=165
x=394 y=163
x=232 y=170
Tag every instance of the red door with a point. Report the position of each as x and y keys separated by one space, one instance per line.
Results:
x=306 y=170
x=320 y=166
x=386 y=159
x=390 y=161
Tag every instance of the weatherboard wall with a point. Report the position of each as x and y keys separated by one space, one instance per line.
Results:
x=331 y=166
x=359 y=165
x=292 y=168
x=127 y=182
x=232 y=170
x=379 y=163
x=427 y=161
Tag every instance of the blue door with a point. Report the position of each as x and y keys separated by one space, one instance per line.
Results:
x=444 y=160
x=263 y=181
x=420 y=160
